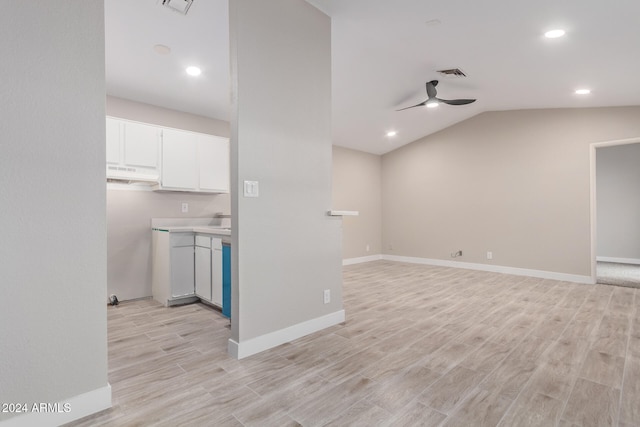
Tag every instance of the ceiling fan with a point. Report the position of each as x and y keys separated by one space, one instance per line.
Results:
x=433 y=100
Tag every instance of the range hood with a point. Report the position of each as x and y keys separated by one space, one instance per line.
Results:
x=128 y=174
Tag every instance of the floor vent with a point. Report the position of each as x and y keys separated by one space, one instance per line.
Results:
x=452 y=72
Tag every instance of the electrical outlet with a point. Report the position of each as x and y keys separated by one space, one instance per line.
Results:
x=367 y=248
x=185 y=207
x=489 y=255
x=327 y=296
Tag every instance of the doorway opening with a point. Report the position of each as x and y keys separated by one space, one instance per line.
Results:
x=615 y=212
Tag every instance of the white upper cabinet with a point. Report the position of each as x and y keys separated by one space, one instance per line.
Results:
x=176 y=160
x=179 y=160
x=194 y=162
x=141 y=145
x=132 y=150
x=113 y=141
x=213 y=159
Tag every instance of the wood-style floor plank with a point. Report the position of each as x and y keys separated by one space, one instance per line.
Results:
x=421 y=346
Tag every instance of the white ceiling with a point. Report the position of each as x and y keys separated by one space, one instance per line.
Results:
x=383 y=54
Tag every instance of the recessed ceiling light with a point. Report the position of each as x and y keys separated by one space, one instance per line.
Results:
x=583 y=91
x=554 y=34
x=432 y=104
x=392 y=133
x=162 y=49
x=194 y=71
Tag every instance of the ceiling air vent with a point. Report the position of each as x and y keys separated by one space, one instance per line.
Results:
x=452 y=72
x=180 y=6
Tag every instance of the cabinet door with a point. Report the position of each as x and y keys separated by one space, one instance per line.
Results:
x=203 y=273
x=113 y=141
x=141 y=145
x=182 y=271
x=179 y=160
x=216 y=273
x=213 y=158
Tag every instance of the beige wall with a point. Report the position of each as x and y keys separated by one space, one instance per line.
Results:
x=129 y=212
x=147 y=113
x=357 y=178
x=286 y=249
x=129 y=216
x=618 y=199
x=516 y=183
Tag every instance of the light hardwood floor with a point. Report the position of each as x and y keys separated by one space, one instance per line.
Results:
x=422 y=346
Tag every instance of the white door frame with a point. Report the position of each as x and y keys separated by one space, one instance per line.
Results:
x=593 y=204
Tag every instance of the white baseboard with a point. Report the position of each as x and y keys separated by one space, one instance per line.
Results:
x=494 y=268
x=359 y=260
x=619 y=260
x=63 y=412
x=242 y=349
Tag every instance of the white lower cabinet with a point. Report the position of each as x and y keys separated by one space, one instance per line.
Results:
x=203 y=267
x=172 y=276
x=208 y=269
x=181 y=271
x=186 y=266
x=216 y=273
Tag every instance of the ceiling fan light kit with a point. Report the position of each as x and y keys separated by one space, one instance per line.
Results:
x=433 y=100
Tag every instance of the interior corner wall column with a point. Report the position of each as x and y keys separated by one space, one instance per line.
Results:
x=286 y=250
x=53 y=320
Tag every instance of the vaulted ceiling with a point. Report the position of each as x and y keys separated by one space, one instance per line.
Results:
x=383 y=54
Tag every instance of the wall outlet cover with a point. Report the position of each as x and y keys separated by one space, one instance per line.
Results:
x=251 y=189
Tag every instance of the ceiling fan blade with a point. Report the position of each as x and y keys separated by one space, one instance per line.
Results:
x=431 y=88
x=456 y=101
x=417 y=105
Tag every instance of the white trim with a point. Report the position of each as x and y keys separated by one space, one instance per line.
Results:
x=494 y=268
x=592 y=199
x=359 y=260
x=618 y=260
x=79 y=407
x=242 y=349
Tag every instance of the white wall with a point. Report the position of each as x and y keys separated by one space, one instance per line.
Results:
x=357 y=179
x=286 y=249
x=53 y=248
x=129 y=213
x=516 y=183
x=152 y=114
x=618 y=201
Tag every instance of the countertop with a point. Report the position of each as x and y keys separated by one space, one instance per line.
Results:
x=217 y=226
x=205 y=229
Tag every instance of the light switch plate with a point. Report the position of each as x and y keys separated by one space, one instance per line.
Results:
x=251 y=189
